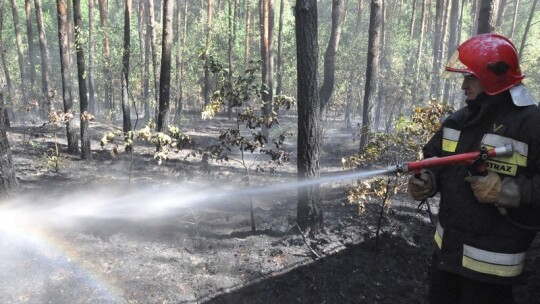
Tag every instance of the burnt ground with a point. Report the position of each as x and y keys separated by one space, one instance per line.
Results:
x=127 y=230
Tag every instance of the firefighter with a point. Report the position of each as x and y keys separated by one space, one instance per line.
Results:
x=485 y=222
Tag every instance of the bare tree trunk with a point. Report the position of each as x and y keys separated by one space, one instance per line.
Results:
x=8 y=183
x=145 y=54
x=419 y=50
x=267 y=49
x=165 y=76
x=104 y=22
x=487 y=16
x=151 y=28
x=20 y=52
x=246 y=40
x=359 y=15
x=327 y=88
x=475 y=11
x=7 y=107
x=452 y=40
x=349 y=102
x=31 y=51
x=86 y=151
x=437 y=49
x=46 y=104
x=279 y=67
x=91 y=49
x=413 y=18
x=126 y=107
x=181 y=28
x=309 y=212
x=372 y=69
x=527 y=28
x=73 y=147
x=206 y=84
x=460 y=24
x=500 y=14
x=514 y=18
x=381 y=89
x=230 y=42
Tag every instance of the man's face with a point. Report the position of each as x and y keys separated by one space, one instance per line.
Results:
x=471 y=86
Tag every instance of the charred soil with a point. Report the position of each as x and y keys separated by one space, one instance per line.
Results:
x=139 y=244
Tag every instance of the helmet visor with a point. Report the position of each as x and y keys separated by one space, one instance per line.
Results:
x=455 y=68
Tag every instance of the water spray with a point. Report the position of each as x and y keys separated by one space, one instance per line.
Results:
x=155 y=202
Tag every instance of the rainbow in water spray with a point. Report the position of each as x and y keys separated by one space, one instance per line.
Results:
x=35 y=260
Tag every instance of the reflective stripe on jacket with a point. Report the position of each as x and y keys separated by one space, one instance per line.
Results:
x=474 y=239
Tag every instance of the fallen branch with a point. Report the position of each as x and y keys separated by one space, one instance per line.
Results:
x=317 y=256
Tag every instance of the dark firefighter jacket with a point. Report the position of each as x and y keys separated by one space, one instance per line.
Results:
x=474 y=239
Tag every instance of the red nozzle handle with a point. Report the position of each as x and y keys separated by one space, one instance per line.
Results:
x=463 y=158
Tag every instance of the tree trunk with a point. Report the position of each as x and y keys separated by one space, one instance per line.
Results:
x=372 y=69
x=230 y=44
x=279 y=67
x=267 y=49
x=91 y=49
x=527 y=27
x=359 y=15
x=31 y=51
x=165 y=76
x=86 y=151
x=151 y=28
x=452 y=41
x=309 y=212
x=338 y=15
x=206 y=84
x=381 y=89
x=460 y=21
x=145 y=54
x=514 y=18
x=20 y=52
x=104 y=22
x=236 y=16
x=248 y=34
x=349 y=100
x=7 y=107
x=437 y=50
x=48 y=103
x=8 y=182
x=475 y=11
x=500 y=14
x=413 y=18
x=487 y=16
x=73 y=147
x=126 y=108
x=181 y=28
x=419 y=52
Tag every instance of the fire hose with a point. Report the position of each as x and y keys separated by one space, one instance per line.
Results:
x=475 y=160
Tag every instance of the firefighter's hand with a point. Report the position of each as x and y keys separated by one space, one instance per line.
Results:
x=510 y=194
x=422 y=186
x=486 y=188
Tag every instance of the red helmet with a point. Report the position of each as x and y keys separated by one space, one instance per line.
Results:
x=491 y=58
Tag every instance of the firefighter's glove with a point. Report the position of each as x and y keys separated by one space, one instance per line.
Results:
x=493 y=190
x=510 y=194
x=486 y=188
x=422 y=186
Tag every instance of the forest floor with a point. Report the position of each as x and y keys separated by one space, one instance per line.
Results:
x=127 y=230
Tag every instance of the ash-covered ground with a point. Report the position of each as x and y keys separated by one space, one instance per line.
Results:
x=127 y=230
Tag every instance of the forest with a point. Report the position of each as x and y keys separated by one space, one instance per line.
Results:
x=154 y=151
